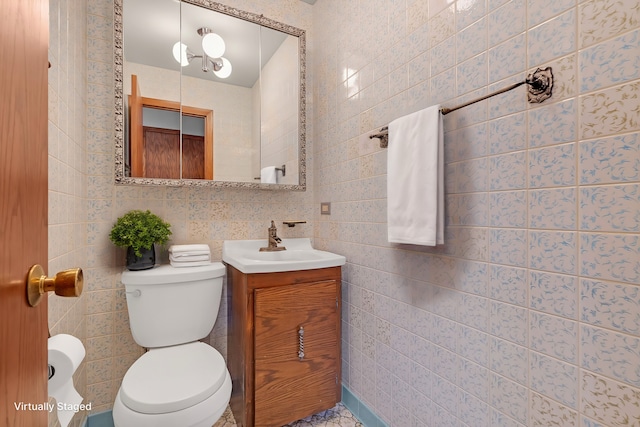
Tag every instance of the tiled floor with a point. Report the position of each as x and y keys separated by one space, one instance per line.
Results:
x=339 y=416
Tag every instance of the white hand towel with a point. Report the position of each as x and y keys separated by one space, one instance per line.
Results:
x=178 y=264
x=186 y=258
x=269 y=175
x=196 y=248
x=415 y=179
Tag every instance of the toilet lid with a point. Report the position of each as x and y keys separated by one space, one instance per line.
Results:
x=173 y=378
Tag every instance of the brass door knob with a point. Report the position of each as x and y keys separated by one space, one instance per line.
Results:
x=67 y=283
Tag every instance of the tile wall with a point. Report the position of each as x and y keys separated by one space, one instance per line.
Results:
x=68 y=184
x=529 y=314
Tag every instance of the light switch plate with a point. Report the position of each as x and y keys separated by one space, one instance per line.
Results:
x=325 y=208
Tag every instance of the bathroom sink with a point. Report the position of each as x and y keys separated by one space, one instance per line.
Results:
x=245 y=255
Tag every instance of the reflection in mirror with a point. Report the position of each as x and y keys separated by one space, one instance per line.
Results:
x=279 y=103
x=208 y=95
x=161 y=145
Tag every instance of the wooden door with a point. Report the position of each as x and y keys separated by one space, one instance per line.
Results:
x=289 y=387
x=24 y=36
x=161 y=153
x=193 y=164
x=153 y=150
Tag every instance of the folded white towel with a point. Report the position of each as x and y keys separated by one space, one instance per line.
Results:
x=178 y=264
x=198 y=248
x=189 y=258
x=269 y=175
x=180 y=255
x=415 y=179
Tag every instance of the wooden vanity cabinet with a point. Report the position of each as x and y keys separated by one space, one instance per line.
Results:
x=273 y=317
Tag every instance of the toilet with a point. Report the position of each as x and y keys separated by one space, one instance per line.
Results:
x=179 y=381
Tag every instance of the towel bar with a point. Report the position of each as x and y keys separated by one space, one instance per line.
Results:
x=540 y=83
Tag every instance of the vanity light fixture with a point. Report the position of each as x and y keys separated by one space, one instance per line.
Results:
x=213 y=48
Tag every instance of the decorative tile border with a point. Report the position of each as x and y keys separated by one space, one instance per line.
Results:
x=101 y=419
x=360 y=410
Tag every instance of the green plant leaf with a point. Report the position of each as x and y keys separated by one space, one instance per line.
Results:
x=140 y=229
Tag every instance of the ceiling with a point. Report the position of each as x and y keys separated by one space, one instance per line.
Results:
x=152 y=27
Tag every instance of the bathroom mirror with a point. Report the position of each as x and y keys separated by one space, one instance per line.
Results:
x=189 y=112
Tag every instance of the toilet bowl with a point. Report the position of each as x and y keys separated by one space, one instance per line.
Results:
x=187 y=385
x=180 y=381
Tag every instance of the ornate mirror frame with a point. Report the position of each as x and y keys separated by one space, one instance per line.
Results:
x=118 y=56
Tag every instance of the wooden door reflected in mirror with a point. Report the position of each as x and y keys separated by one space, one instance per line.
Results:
x=160 y=149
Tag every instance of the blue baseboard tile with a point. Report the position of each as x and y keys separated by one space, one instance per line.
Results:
x=360 y=410
x=101 y=419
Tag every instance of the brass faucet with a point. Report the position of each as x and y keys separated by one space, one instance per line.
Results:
x=273 y=240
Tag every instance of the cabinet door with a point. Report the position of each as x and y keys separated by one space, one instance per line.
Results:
x=289 y=387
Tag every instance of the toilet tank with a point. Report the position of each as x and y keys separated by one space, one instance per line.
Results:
x=170 y=306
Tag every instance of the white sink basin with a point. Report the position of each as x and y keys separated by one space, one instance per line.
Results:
x=245 y=255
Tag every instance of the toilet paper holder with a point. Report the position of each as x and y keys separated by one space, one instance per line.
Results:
x=67 y=283
x=65 y=354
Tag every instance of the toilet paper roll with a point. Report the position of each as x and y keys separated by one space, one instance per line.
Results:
x=66 y=352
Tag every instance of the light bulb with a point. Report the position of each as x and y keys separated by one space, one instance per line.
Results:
x=213 y=45
x=226 y=69
x=180 y=53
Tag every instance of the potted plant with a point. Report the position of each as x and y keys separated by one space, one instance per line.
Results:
x=138 y=231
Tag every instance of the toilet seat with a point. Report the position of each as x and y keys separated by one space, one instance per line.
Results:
x=203 y=414
x=173 y=378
